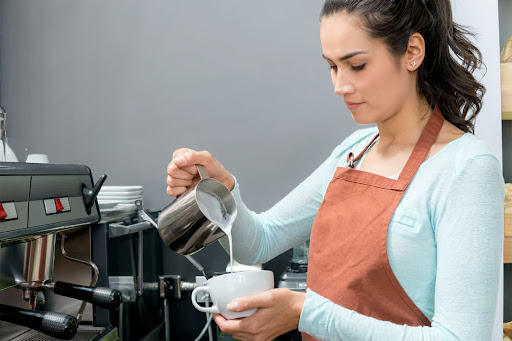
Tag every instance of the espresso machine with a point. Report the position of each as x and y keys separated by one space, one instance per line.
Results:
x=46 y=213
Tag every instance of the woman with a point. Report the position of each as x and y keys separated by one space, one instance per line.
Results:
x=405 y=219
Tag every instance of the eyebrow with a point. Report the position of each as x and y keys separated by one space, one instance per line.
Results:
x=350 y=55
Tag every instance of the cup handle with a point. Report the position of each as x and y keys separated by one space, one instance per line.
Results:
x=202 y=172
x=212 y=309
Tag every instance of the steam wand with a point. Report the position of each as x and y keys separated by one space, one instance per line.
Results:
x=91 y=264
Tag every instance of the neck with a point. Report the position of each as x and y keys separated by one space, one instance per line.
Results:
x=405 y=126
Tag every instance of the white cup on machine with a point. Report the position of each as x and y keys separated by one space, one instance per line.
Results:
x=224 y=289
x=37 y=158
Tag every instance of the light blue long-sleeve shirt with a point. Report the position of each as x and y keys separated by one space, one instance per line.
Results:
x=444 y=243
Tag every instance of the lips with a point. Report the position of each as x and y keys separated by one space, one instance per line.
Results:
x=353 y=105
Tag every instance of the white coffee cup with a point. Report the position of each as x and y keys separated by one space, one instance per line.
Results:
x=224 y=289
x=37 y=158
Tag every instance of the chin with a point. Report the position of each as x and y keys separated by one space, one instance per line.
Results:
x=362 y=119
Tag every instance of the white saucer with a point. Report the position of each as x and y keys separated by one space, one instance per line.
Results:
x=119 y=197
x=119 y=193
x=107 y=204
x=121 y=188
x=119 y=208
x=124 y=202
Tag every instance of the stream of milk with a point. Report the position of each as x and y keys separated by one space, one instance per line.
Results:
x=213 y=208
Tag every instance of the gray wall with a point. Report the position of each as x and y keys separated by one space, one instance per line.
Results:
x=119 y=85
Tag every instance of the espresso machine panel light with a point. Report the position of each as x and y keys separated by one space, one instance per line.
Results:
x=14 y=197
x=57 y=205
x=8 y=211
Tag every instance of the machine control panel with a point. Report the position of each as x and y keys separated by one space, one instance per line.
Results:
x=37 y=199
x=56 y=205
x=8 y=211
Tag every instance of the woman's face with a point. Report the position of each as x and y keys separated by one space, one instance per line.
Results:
x=374 y=84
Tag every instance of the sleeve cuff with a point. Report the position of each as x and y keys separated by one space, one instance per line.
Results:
x=236 y=189
x=315 y=315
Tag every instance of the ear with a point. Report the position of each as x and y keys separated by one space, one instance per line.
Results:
x=415 y=52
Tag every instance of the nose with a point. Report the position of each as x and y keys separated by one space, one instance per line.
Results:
x=343 y=87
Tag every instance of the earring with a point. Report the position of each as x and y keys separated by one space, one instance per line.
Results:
x=413 y=63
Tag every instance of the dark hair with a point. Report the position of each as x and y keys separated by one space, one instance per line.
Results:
x=445 y=77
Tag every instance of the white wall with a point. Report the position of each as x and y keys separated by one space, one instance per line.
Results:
x=482 y=18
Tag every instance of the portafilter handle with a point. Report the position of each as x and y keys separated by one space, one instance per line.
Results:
x=102 y=297
x=57 y=325
x=90 y=194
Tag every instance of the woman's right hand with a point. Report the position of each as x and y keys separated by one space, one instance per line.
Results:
x=182 y=170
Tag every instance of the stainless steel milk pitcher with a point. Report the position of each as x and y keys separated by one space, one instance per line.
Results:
x=184 y=227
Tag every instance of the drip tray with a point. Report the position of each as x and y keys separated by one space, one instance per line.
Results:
x=85 y=333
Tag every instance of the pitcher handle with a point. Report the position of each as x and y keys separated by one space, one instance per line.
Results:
x=202 y=172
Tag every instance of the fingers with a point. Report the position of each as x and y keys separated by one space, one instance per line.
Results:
x=186 y=157
x=180 y=151
x=176 y=173
x=175 y=191
x=226 y=326
x=181 y=172
x=198 y=158
x=187 y=160
x=218 y=318
x=276 y=315
x=179 y=178
x=184 y=167
x=263 y=300
x=231 y=327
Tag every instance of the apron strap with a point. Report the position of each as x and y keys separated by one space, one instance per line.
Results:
x=350 y=157
x=420 y=151
x=427 y=138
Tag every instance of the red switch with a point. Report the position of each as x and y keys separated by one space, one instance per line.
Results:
x=58 y=205
x=3 y=215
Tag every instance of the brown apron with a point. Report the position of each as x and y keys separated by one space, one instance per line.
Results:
x=348 y=259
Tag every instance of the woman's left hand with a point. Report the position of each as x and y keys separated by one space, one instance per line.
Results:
x=278 y=313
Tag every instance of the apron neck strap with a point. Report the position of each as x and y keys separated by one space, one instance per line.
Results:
x=350 y=157
x=425 y=142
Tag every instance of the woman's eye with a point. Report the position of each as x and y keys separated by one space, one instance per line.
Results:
x=333 y=67
x=358 y=67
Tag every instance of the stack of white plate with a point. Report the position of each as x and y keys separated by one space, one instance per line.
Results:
x=112 y=199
